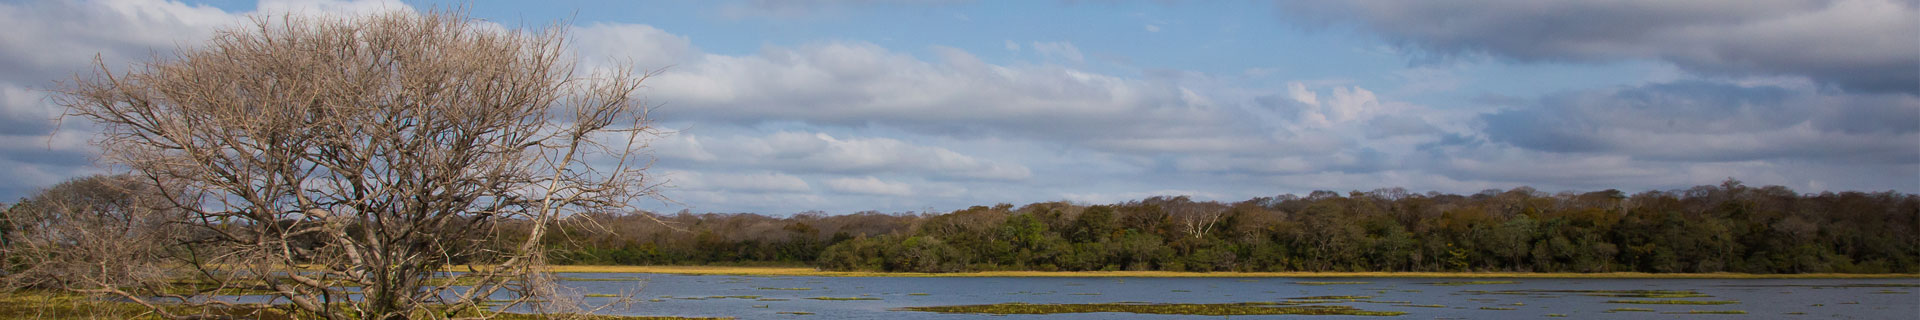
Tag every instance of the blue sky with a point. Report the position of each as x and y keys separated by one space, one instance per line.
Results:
x=843 y=106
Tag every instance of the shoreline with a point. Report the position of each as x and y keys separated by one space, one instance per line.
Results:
x=811 y=272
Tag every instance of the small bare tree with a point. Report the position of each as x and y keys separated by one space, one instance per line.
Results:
x=342 y=165
x=93 y=234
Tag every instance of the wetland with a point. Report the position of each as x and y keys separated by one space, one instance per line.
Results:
x=1094 y=297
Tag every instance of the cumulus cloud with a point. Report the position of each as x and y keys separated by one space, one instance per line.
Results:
x=612 y=45
x=1865 y=45
x=870 y=186
x=43 y=42
x=820 y=152
x=1710 y=121
x=738 y=182
x=859 y=84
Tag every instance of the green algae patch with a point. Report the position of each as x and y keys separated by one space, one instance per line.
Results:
x=1469 y=283
x=1213 y=309
x=1698 y=302
x=1332 y=298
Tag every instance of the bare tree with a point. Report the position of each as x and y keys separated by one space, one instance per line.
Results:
x=342 y=165
x=92 y=234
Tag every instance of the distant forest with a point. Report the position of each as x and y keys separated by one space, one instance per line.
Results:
x=1721 y=228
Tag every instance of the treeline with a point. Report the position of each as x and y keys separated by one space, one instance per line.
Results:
x=1725 y=228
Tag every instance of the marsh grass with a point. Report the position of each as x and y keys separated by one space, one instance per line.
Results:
x=1219 y=309
x=1694 y=302
x=1332 y=298
x=63 y=306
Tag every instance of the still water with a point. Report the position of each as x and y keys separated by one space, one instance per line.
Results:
x=1421 y=298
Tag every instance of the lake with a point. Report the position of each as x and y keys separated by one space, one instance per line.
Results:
x=1422 y=298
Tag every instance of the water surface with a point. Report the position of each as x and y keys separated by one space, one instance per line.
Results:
x=768 y=297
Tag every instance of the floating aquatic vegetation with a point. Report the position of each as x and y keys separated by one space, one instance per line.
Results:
x=1890 y=292
x=1556 y=315
x=1704 y=302
x=1218 y=309
x=770 y=299
x=1331 y=298
x=761 y=306
x=1629 y=310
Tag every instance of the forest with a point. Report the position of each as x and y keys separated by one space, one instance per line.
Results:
x=1729 y=227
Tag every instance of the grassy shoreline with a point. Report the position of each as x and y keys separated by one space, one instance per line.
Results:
x=811 y=272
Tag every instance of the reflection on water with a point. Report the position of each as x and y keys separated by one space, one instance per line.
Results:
x=879 y=298
x=884 y=298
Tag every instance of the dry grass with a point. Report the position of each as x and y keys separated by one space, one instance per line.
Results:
x=61 y=305
x=801 y=271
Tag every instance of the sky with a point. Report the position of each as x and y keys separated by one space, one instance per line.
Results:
x=778 y=107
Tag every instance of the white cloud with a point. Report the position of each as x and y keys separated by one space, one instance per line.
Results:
x=870 y=186
x=1729 y=37
x=1153 y=28
x=820 y=152
x=632 y=45
x=741 y=182
x=1013 y=46
x=1059 y=50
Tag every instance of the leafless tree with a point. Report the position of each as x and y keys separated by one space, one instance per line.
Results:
x=91 y=234
x=344 y=164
